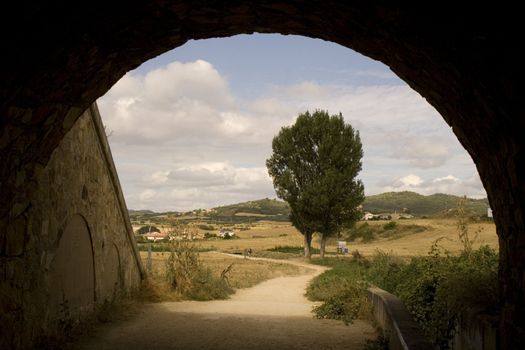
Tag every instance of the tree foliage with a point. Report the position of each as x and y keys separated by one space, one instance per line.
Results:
x=314 y=167
x=147 y=229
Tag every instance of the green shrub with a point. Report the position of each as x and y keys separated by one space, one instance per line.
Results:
x=342 y=290
x=390 y=225
x=438 y=287
x=166 y=247
x=207 y=286
x=186 y=275
x=364 y=231
x=209 y=235
x=292 y=249
x=147 y=229
x=435 y=288
x=141 y=239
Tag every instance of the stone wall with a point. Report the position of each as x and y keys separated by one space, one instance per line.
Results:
x=396 y=323
x=72 y=248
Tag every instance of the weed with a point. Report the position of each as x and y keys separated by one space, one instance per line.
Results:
x=342 y=290
x=390 y=225
x=186 y=275
x=292 y=249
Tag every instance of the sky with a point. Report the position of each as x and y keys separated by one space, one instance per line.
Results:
x=192 y=128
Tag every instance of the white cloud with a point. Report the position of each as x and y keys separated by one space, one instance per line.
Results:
x=182 y=139
x=148 y=195
x=421 y=152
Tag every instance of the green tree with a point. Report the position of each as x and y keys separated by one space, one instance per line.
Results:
x=314 y=167
x=147 y=229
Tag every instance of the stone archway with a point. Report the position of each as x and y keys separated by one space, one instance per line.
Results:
x=465 y=62
x=72 y=273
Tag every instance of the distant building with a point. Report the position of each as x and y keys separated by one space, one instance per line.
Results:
x=224 y=233
x=156 y=236
x=367 y=216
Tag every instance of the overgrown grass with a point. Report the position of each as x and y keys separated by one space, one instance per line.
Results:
x=292 y=249
x=438 y=287
x=179 y=277
x=166 y=247
x=435 y=288
x=342 y=290
x=392 y=230
x=187 y=276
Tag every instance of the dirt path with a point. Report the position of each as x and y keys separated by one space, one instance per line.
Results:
x=271 y=315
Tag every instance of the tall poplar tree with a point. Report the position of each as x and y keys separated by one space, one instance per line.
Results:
x=314 y=167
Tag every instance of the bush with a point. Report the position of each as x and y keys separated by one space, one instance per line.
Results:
x=141 y=239
x=186 y=275
x=435 y=288
x=342 y=290
x=438 y=287
x=390 y=225
x=292 y=249
x=364 y=231
x=147 y=229
x=209 y=235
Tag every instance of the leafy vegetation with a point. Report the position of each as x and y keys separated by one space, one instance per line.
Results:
x=417 y=204
x=167 y=247
x=342 y=290
x=392 y=230
x=314 y=167
x=186 y=273
x=435 y=288
x=292 y=249
x=187 y=276
x=147 y=229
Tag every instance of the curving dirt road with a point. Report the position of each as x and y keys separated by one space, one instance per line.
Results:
x=272 y=315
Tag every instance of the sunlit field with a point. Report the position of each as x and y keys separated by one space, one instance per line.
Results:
x=266 y=235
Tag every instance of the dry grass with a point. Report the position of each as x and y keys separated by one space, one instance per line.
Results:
x=261 y=236
x=243 y=274
x=266 y=235
x=420 y=243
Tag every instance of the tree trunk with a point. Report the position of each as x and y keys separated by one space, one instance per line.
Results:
x=307 y=244
x=323 y=245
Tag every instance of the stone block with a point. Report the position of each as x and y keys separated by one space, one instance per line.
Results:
x=15 y=238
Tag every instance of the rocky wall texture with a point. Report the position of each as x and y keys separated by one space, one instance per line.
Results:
x=72 y=247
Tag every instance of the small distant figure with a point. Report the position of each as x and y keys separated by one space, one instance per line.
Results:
x=250 y=252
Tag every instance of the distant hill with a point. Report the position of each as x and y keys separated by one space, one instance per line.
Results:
x=268 y=209
x=438 y=204
x=140 y=212
x=417 y=204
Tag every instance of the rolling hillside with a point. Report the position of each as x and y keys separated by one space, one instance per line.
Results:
x=417 y=204
x=267 y=209
x=438 y=204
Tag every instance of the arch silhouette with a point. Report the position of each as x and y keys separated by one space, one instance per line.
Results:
x=72 y=275
x=465 y=62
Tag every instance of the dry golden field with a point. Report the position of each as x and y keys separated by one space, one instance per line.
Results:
x=265 y=235
x=445 y=230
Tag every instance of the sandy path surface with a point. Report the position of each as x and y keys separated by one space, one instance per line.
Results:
x=271 y=315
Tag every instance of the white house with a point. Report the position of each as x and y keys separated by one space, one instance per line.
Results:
x=367 y=216
x=224 y=233
x=156 y=236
